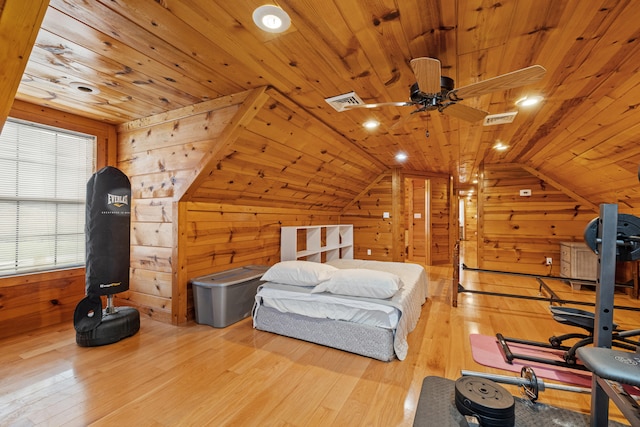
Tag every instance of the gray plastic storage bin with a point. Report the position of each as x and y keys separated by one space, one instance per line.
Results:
x=226 y=297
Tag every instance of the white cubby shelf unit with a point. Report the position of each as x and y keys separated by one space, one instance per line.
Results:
x=317 y=243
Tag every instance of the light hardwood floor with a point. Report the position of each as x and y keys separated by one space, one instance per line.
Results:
x=198 y=375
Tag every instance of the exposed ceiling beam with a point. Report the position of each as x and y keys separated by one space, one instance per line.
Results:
x=20 y=21
x=561 y=187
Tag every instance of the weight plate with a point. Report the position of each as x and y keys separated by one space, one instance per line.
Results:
x=591 y=234
x=491 y=403
x=532 y=388
x=627 y=231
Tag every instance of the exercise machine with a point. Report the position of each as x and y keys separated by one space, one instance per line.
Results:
x=614 y=371
x=573 y=317
x=607 y=365
x=107 y=230
x=625 y=241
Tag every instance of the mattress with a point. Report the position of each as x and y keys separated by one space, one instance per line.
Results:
x=299 y=300
x=398 y=314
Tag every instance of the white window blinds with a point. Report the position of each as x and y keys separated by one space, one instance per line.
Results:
x=43 y=177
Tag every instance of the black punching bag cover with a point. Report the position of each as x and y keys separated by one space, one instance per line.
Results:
x=107 y=231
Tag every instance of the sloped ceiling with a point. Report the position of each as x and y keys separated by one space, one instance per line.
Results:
x=279 y=160
x=148 y=57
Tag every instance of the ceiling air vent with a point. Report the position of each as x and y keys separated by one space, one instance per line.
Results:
x=499 y=119
x=339 y=102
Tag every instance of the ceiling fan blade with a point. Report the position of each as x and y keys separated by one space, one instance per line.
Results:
x=397 y=127
x=464 y=112
x=379 y=104
x=427 y=71
x=510 y=80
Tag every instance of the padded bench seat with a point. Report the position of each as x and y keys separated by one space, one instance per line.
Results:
x=607 y=365
x=616 y=365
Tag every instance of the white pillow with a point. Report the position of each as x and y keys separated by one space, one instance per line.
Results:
x=361 y=282
x=298 y=273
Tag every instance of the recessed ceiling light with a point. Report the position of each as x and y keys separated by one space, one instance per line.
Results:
x=84 y=88
x=401 y=157
x=528 y=101
x=271 y=18
x=371 y=124
x=500 y=146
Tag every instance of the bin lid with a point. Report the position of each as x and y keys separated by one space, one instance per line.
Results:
x=231 y=277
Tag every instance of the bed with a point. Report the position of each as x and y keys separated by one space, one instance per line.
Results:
x=374 y=321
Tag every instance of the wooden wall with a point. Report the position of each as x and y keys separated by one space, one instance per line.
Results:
x=189 y=219
x=370 y=229
x=229 y=236
x=31 y=301
x=220 y=237
x=517 y=233
x=161 y=155
x=385 y=236
x=177 y=234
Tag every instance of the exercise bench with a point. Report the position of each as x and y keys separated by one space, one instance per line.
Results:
x=608 y=366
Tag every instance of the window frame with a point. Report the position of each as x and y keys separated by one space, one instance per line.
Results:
x=41 y=238
x=106 y=146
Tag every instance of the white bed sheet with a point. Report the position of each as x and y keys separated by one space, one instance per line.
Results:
x=323 y=306
x=409 y=299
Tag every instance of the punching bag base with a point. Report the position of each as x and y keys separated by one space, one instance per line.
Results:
x=114 y=327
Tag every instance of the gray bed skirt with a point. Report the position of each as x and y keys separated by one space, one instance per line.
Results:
x=365 y=340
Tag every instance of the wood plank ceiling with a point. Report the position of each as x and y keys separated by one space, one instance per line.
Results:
x=148 y=57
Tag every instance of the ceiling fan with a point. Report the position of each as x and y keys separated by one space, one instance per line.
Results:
x=433 y=91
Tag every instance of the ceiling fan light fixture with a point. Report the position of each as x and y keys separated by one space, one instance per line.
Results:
x=529 y=101
x=271 y=19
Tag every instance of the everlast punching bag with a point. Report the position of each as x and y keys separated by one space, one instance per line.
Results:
x=107 y=233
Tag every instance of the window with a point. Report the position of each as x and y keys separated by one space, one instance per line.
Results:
x=43 y=177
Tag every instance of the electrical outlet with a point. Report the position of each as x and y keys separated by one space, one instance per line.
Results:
x=549 y=261
x=368 y=251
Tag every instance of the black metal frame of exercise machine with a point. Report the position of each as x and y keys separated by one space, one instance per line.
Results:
x=602 y=390
x=573 y=317
x=626 y=248
x=552 y=299
x=610 y=366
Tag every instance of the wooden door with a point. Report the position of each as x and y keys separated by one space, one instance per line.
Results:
x=417 y=219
